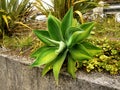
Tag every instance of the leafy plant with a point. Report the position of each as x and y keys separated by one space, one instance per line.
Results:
x=43 y=7
x=64 y=43
x=13 y=12
x=62 y=6
x=108 y=60
x=80 y=7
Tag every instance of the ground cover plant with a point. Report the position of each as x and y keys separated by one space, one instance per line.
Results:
x=108 y=60
x=64 y=43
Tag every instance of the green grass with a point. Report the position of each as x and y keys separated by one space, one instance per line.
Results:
x=108 y=28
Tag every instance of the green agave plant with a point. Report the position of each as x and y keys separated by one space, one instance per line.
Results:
x=63 y=43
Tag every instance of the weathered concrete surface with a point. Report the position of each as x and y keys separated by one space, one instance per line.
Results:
x=16 y=74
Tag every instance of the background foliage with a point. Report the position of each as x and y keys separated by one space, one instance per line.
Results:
x=13 y=12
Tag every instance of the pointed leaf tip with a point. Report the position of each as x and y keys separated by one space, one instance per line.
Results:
x=45 y=56
x=58 y=64
x=54 y=28
x=67 y=21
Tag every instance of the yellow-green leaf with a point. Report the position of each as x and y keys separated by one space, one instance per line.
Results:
x=21 y=23
x=58 y=64
x=71 y=67
x=80 y=16
x=93 y=50
x=5 y=20
x=39 y=51
x=67 y=21
x=54 y=28
x=44 y=36
x=48 y=67
x=79 y=53
x=46 y=56
x=70 y=31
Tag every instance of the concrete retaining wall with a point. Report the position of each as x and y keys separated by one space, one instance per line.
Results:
x=16 y=74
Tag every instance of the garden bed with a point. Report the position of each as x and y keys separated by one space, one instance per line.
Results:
x=16 y=74
x=18 y=42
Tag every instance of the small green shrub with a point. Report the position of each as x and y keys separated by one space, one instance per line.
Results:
x=64 y=44
x=108 y=60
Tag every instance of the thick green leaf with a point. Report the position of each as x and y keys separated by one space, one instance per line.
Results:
x=43 y=35
x=86 y=26
x=67 y=21
x=48 y=67
x=71 y=67
x=82 y=48
x=58 y=64
x=39 y=51
x=86 y=32
x=46 y=56
x=70 y=31
x=54 y=28
x=78 y=52
x=93 y=50
x=73 y=38
x=79 y=36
